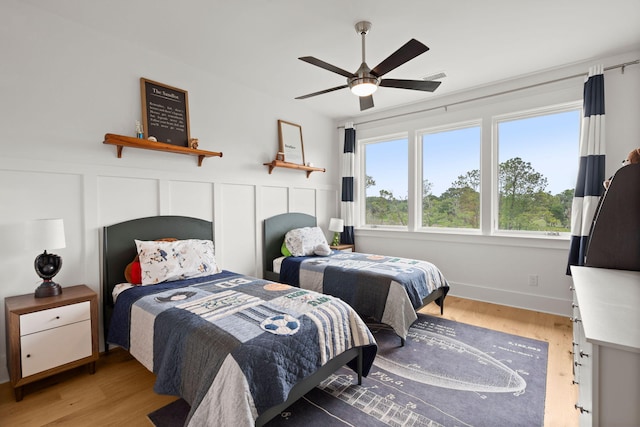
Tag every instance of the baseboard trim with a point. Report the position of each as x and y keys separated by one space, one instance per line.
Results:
x=527 y=301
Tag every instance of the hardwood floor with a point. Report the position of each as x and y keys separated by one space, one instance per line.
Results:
x=121 y=391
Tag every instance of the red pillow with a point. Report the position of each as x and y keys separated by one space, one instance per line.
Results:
x=133 y=273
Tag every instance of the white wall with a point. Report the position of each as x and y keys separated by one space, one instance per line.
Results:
x=497 y=268
x=64 y=86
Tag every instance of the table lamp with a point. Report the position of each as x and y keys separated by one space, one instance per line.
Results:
x=337 y=226
x=47 y=233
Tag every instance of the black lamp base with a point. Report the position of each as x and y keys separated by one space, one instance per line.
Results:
x=48 y=289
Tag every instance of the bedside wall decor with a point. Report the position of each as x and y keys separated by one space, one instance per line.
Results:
x=291 y=150
x=290 y=137
x=165 y=112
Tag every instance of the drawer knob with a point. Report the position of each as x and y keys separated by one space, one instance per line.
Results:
x=574 y=305
x=577 y=364
x=575 y=319
x=28 y=356
x=574 y=382
x=583 y=354
x=581 y=409
x=58 y=317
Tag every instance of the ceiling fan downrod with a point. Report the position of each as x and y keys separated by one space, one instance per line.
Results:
x=363 y=75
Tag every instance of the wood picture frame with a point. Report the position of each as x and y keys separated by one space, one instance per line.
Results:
x=290 y=138
x=165 y=113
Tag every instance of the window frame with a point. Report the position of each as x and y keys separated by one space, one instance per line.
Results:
x=420 y=174
x=360 y=174
x=495 y=163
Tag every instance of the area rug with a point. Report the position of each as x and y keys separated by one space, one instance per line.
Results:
x=447 y=374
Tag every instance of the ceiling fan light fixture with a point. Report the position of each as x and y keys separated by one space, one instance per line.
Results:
x=363 y=86
x=364 y=89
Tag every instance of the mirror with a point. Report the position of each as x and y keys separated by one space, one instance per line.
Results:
x=290 y=135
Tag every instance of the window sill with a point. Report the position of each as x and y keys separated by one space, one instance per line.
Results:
x=461 y=236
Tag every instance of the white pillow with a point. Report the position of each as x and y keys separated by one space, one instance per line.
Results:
x=162 y=261
x=303 y=241
x=322 y=249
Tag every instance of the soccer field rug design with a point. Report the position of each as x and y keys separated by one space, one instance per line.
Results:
x=447 y=374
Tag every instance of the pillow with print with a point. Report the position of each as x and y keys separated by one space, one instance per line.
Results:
x=163 y=261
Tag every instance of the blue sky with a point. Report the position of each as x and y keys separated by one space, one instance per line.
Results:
x=541 y=140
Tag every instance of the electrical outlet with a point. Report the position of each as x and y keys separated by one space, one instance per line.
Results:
x=533 y=280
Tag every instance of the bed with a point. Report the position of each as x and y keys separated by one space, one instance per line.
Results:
x=258 y=347
x=381 y=289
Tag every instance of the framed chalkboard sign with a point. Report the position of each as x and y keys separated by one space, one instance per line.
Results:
x=165 y=113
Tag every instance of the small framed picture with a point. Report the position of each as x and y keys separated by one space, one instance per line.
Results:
x=290 y=136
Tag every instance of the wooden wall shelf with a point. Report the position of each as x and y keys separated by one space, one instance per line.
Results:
x=281 y=164
x=121 y=141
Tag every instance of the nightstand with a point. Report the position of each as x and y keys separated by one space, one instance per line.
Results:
x=344 y=248
x=46 y=336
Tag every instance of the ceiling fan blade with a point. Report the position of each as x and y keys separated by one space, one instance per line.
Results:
x=407 y=52
x=321 y=92
x=425 y=85
x=319 y=63
x=366 y=102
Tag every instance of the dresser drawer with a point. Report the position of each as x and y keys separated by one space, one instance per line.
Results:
x=55 y=347
x=54 y=317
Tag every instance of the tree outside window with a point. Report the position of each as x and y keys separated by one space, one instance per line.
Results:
x=386 y=182
x=538 y=158
x=451 y=178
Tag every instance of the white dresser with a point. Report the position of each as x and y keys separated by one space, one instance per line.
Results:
x=606 y=346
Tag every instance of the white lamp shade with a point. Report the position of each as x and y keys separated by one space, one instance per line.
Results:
x=46 y=234
x=336 y=225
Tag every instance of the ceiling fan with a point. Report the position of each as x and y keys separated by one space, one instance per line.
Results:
x=365 y=81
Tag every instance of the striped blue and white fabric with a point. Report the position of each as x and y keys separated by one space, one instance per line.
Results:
x=591 y=171
x=348 y=166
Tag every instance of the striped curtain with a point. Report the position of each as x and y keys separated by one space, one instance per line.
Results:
x=589 y=187
x=348 y=165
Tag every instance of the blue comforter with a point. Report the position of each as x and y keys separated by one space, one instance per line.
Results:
x=384 y=289
x=232 y=345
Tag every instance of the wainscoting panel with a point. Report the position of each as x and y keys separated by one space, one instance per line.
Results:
x=122 y=199
x=303 y=200
x=236 y=244
x=274 y=201
x=191 y=199
x=327 y=207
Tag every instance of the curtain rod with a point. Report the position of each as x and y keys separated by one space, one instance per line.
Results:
x=479 y=98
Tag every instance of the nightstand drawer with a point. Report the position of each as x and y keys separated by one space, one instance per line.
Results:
x=54 y=317
x=70 y=342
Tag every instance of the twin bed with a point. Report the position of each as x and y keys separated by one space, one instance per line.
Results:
x=240 y=349
x=381 y=289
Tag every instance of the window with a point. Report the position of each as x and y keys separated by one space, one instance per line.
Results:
x=385 y=181
x=537 y=169
x=451 y=178
x=510 y=173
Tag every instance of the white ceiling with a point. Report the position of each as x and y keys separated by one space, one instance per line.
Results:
x=257 y=42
